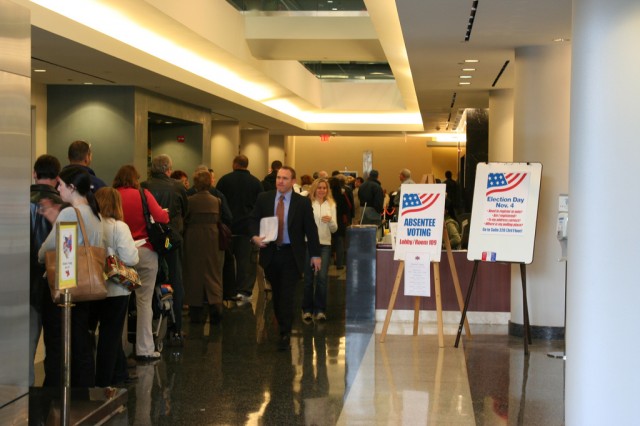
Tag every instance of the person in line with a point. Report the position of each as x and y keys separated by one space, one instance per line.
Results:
x=371 y=195
x=284 y=260
x=128 y=185
x=171 y=195
x=75 y=188
x=229 y=291
x=44 y=196
x=405 y=179
x=453 y=194
x=80 y=154
x=182 y=177
x=305 y=184
x=344 y=209
x=357 y=208
x=269 y=181
x=242 y=189
x=111 y=363
x=314 y=302
x=452 y=227
x=202 y=257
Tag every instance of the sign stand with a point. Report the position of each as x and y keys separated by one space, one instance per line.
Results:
x=527 y=327
x=416 y=306
x=503 y=224
x=66 y=357
x=413 y=205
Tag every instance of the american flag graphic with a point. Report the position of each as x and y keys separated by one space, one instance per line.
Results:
x=412 y=203
x=501 y=182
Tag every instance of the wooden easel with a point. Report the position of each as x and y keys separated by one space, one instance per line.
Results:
x=436 y=279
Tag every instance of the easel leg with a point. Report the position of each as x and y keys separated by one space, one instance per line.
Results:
x=525 y=308
x=392 y=301
x=466 y=302
x=436 y=278
x=456 y=285
x=416 y=314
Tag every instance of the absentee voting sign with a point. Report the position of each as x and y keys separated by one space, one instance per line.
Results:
x=420 y=221
x=505 y=212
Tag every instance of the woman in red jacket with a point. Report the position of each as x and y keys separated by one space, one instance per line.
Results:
x=127 y=183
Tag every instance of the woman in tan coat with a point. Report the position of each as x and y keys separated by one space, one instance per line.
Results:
x=203 y=258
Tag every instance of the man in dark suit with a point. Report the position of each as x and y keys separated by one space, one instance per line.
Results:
x=283 y=260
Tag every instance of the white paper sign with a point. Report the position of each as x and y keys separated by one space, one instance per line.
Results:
x=417 y=280
x=420 y=220
x=269 y=229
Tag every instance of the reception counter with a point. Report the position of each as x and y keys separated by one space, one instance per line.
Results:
x=491 y=291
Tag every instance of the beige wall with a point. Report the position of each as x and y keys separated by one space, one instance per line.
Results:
x=390 y=155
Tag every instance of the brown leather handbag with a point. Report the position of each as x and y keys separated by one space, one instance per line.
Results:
x=90 y=261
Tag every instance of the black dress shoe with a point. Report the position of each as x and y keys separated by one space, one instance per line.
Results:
x=215 y=314
x=284 y=343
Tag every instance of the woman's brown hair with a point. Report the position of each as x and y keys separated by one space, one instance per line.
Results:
x=110 y=203
x=127 y=177
x=202 y=180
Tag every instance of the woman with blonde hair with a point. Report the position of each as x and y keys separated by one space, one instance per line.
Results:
x=324 y=212
x=111 y=365
x=128 y=185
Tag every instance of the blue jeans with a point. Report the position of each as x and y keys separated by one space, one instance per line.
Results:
x=316 y=302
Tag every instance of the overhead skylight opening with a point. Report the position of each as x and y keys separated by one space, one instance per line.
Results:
x=350 y=70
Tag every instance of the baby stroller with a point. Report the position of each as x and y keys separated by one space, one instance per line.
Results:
x=162 y=305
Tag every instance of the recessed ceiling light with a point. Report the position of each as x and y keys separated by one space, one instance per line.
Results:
x=39 y=70
x=560 y=40
x=468 y=69
x=465 y=76
x=87 y=83
x=464 y=83
x=471 y=60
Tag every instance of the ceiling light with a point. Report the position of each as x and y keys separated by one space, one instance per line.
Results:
x=465 y=76
x=87 y=83
x=464 y=83
x=39 y=70
x=471 y=60
x=468 y=69
x=560 y=40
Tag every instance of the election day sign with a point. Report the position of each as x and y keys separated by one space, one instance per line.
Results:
x=504 y=213
x=420 y=221
x=505 y=204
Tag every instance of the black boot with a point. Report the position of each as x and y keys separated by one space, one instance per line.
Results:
x=215 y=313
x=195 y=314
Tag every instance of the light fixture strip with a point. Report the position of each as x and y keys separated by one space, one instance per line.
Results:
x=472 y=18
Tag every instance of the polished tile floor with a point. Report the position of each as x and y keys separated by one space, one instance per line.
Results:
x=339 y=373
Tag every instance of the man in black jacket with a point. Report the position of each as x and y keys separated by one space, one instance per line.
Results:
x=242 y=189
x=371 y=194
x=269 y=181
x=80 y=154
x=43 y=196
x=171 y=195
x=283 y=260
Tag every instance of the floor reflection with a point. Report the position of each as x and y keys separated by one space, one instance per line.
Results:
x=339 y=373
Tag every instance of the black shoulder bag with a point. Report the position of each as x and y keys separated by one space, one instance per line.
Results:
x=161 y=236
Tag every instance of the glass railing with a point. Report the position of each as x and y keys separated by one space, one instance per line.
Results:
x=299 y=5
